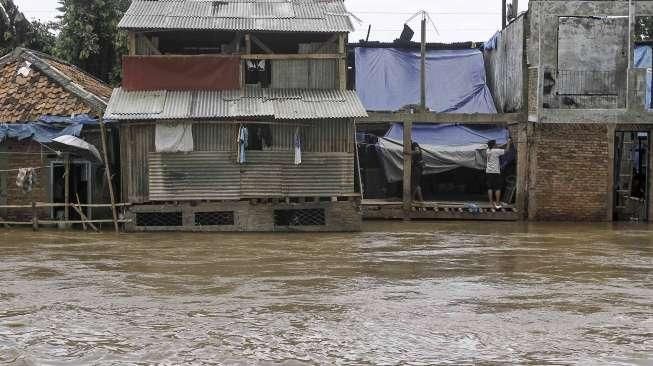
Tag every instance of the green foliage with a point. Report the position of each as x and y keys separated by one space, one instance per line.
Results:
x=17 y=31
x=89 y=37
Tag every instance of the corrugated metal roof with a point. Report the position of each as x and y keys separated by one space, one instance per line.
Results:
x=279 y=104
x=239 y=15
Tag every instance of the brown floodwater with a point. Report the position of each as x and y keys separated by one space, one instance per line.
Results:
x=416 y=293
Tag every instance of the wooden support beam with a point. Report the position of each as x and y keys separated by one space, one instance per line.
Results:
x=408 y=159
x=131 y=43
x=107 y=169
x=35 y=217
x=292 y=56
x=342 y=61
x=261 y=45
x=150 y=45
x=248 y=43
x=478 y=118
x=66 y=163
x=422 y=74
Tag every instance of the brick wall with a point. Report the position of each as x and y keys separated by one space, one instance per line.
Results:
x=15 y=195
x=569 y=173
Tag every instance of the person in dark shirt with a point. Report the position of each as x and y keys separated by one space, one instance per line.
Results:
x=417 y=169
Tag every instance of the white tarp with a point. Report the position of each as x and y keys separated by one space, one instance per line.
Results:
x=77 y=143
x=172 y=137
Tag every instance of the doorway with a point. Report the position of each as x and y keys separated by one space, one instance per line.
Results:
x=79 y=188
x=631 y=176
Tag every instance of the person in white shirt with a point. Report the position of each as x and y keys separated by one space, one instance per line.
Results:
x=494 y=180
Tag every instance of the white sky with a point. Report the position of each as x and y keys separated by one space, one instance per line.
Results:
x=457 y=20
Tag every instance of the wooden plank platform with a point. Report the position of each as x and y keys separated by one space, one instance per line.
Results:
x=393 y=210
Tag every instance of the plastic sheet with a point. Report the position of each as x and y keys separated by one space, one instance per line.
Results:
x=444 y=147
x=388 y=79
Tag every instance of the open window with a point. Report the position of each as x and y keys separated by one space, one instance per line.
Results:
x=259 y=137
x=631 y=183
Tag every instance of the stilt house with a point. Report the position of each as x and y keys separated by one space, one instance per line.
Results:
x=235 y=116
x=42 y=98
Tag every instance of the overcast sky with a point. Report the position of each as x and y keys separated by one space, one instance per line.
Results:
x=457 y=20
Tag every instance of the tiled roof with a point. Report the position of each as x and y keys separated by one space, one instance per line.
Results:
x=279 y=104
x=51 y=87
x=240 y=15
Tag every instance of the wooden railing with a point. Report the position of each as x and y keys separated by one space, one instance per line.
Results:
x=86 y=223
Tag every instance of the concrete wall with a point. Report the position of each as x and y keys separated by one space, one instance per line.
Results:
x=504 y=66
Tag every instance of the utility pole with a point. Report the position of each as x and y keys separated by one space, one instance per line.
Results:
x=503 y=14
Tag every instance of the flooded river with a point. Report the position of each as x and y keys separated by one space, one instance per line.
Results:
x=422 y=294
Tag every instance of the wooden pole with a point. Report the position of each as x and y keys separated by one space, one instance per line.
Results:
x=66 y=163
x=107 y=169
x=422 y=77
x=35 y=217
x=342 y=61
x=408 y=159
x=369 y=29
x=503 y=14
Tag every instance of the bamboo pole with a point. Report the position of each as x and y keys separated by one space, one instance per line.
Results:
x=107 y=169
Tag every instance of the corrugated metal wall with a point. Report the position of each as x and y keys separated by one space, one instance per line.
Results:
x=327 y=168
x=304 y=74
x=505 y=69
x=136 y=142
x=217 y=176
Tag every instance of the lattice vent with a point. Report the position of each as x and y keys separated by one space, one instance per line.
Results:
x=225 y=218
x=159 y=219
x=309 y=217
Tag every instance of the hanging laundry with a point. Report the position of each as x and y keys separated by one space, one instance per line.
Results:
x=297 y=142
x=243 y=137
x=26 y=179
x=174 y=137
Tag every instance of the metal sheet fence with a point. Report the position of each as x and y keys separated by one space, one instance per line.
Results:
x=216 y=176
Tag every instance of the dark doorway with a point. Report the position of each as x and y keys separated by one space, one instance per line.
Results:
x=631 y=176
x=79 y=188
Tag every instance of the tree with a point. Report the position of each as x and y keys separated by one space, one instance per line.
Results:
x=17 y=31
x=89 y=36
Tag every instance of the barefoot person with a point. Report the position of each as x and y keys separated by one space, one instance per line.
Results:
x=417 y=169
x=494 y=179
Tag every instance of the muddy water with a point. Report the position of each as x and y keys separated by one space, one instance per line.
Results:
x=396 y=294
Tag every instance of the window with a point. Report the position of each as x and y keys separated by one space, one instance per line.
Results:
x=259 y=137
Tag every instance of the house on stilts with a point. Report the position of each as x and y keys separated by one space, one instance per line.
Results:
x=51 y=168
x=235 y=116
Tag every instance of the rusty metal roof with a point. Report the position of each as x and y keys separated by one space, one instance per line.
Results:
x=279 y=104
x=326 y=16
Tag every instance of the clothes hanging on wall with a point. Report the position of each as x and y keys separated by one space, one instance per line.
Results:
x=297 y=142
x=174 y=137
x=243 y=138
x=26 y=179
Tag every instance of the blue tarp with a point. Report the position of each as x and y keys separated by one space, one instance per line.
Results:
x=644 y=60
x=450 y=135
x=46 y=128
x=387 y=79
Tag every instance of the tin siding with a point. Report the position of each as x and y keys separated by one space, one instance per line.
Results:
x=216 y=176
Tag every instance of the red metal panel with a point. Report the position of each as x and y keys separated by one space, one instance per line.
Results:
x=180 y=73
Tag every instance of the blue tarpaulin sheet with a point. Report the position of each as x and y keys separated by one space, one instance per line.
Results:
x=444 y=147
x=46 y=128
x=388 y=79
x=644 y=60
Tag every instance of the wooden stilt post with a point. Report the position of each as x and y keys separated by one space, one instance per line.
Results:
x=503 y=14
x=107 y=169
x=35 y=217
x=422 y=76
x=66 y=163
x=408 y=159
